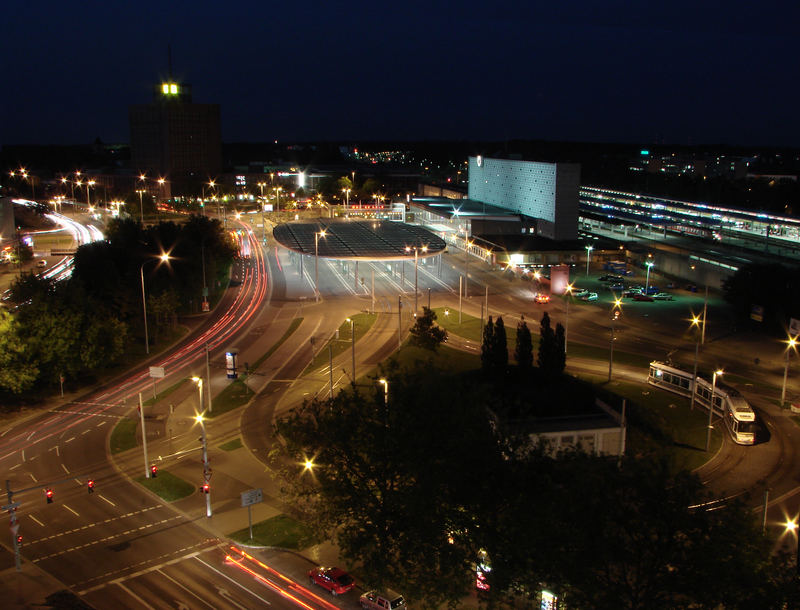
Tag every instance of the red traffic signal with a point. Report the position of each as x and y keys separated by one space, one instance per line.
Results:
x=154 y=471
x=90 y=485
x=205 y=488
x=48 y=493
x=19 y=540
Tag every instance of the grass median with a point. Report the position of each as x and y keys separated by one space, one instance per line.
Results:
x=167 y=486
x=279 y=531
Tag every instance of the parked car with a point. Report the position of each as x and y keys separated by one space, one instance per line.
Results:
x=541 y=299
x=631 y=292
x=580 y=293
x=334 y=580
x=617 y=287
x=373 y=600
x=642 y=297
x=651 y=290
x=611 y=278
x=591 y=296
x=662 y=296
x=41 y=263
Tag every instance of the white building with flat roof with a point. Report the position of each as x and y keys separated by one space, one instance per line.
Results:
x=546 y=192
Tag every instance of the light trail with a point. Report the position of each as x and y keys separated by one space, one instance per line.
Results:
x=246 y=305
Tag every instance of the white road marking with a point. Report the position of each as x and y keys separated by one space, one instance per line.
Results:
x=86 y=431
x=33 y=477
x=37 y=521
x=71 y=438
x=102 y=423
x=23 y=455
x=133 y=595
x=65 y=468
x=106 y=499
x=192 y=593
x=70 y=510
x=241 y=586
x=6 y=431
x=30 y=435
x=15 y=466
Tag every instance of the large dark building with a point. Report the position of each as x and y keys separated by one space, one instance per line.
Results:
x=176 y=139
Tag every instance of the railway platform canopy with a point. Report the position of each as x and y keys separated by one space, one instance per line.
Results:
x=359 y=239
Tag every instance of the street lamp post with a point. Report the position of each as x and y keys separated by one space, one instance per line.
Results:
x=568 y=295
x=615 y=312
x=88 y=198
x=346 y=191
x=466 y=267
x=317 y=235
x=696 y=325
x=206 y=469
x=353 y=344
x=416 y=270
x=718 y=373
x=588 y=256
x=385 y=384
x=163 y=258
x=791 y=345
x=649 y=265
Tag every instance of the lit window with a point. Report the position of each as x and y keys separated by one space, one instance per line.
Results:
x=173 y=89
x=165 y=88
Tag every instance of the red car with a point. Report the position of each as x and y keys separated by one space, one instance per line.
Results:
x=541 y=299
x=335 y=580
x=642 y=297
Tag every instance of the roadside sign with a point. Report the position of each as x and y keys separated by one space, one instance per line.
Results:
x=252 y=496
x=757 y=313
x=794 y=326
x=157 y=372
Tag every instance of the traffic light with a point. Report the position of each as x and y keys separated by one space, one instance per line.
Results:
x=205 y=488
x=19 y=540
x=90 y=486
x=48 y=493
x=154 y=471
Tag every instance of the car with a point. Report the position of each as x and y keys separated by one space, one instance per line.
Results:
x=334 y=580
x=373 y=600
x=617 y=287
x=651 y=290
x=642 y=297
x=632 y=292
x=541 y=299
x=591 y=296
x=663 y=296
x=580 y=293
x=41 y=263
x=611 y=278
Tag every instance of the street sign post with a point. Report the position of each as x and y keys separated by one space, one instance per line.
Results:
x=250 y=497
x=156 y=372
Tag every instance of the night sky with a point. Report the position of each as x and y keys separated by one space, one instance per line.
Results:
x=643 y=72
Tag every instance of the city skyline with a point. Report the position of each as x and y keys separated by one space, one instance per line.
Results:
x=415 y=72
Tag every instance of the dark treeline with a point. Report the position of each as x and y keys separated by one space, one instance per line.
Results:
x=75 y=328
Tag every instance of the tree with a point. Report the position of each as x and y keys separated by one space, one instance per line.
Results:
x=380 y=467
x=17 y=372
x=500 y=345
x=548 y=358
x=487 y=345
x=425 y=333
x=560 y=354
x=523 y=352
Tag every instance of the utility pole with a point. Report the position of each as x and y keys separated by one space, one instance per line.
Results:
x=144 y=438
x=399 y=321
x=208 y=380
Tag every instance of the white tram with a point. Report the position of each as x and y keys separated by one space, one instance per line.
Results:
x=737 y=414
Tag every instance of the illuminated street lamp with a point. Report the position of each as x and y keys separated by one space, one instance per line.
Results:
x=162 y=259
x=317 y=235
x=206 y=469
x=791 y=526
x=616 y=310
x=88 y=199
x=588 y=256
x=277 y=190
x=696 y=326
x=346 y=191
x=416 y=268
x=791 y=344
x=140 y=190
x=467 y=246
x=385 y=384
x=717 y=373
x=649 y=265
